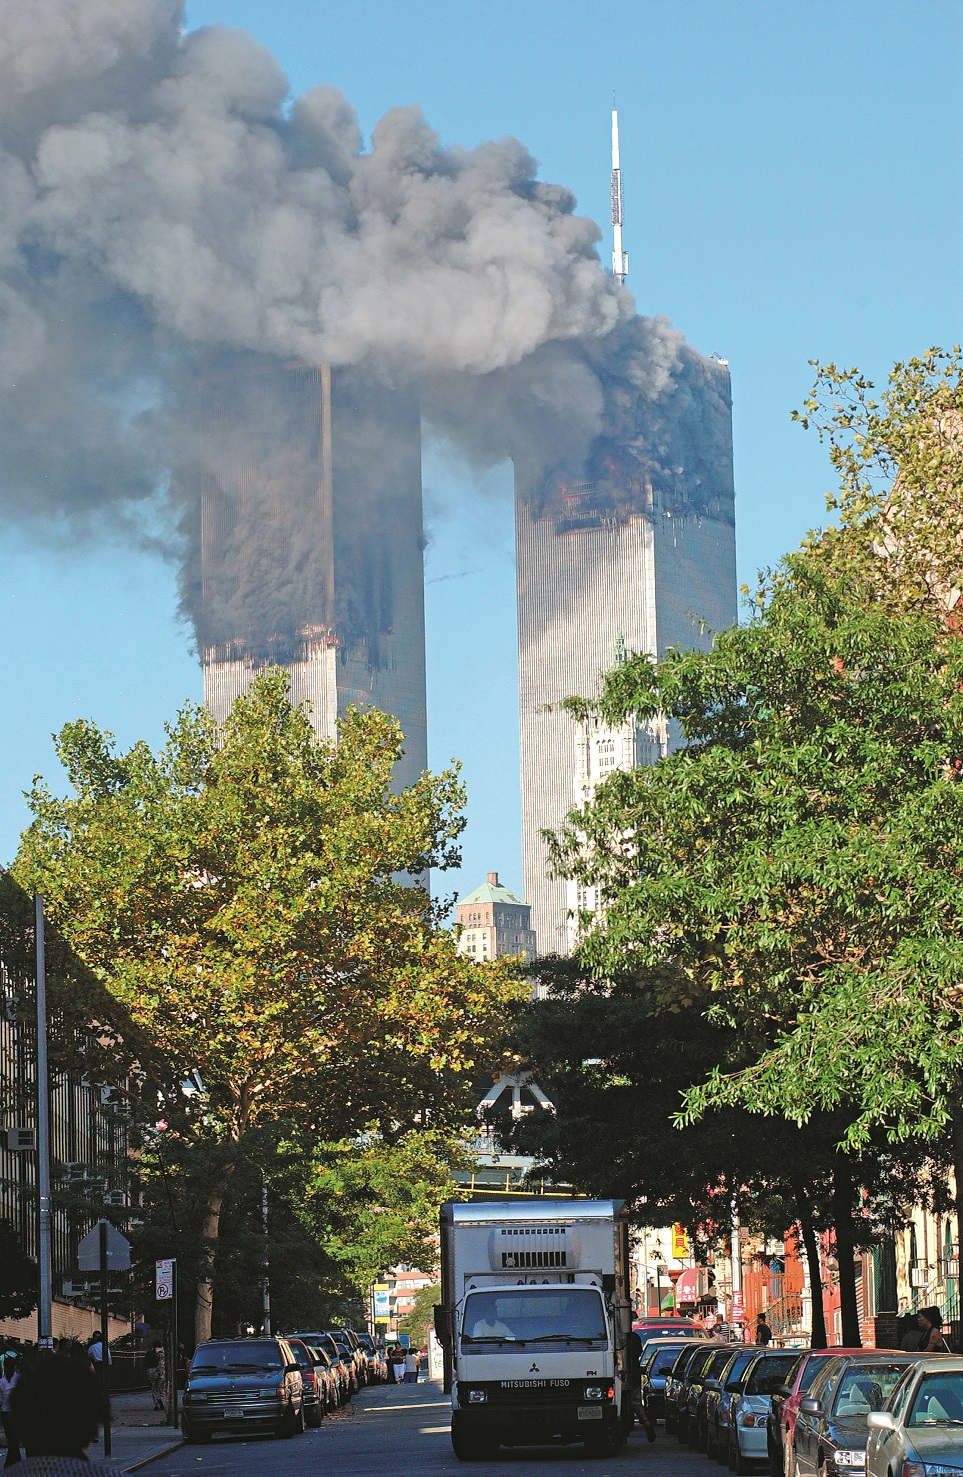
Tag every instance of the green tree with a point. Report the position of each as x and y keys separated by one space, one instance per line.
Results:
x=242 y=895
x=795 y=869
x=421 y=1320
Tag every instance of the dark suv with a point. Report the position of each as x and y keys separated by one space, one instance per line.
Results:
x=242 y=1384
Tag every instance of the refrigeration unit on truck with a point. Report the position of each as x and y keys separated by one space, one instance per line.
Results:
x=535 y=1324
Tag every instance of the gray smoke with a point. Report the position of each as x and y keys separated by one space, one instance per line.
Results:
x=167 y=215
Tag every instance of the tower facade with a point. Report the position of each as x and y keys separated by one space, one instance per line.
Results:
x=494 y=922
x=640 y=554
x=311 y=547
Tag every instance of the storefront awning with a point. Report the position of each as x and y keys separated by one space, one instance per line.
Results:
x=687 y=1287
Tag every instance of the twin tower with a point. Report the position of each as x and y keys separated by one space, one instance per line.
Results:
x=312 y=558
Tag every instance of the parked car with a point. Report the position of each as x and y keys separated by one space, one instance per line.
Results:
x=749 y=1411
x=377 y=1364
x=347 y=1343
x=687 y=1399
x=329 y=1380
x=655 y=1361
x=241 y=1385
x=785 y=1407
x=830 y=1434
x=343 y=1366
x=676 y=1328
x=675 y=1385
x=312 y=1393
x=708 y=1385
x=720 y=1393
x=921 y=1428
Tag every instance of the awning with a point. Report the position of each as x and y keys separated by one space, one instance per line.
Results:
x=687 y=1287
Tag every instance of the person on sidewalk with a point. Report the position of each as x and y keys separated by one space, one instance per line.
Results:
x=57 y=1407
x=763 y=1331
x=154 y=1363
x=411 y=1367
x=398 y=1364
x=8 y=1379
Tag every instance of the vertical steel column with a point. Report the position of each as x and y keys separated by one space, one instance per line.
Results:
x=265 y=1263
x=44 y=1254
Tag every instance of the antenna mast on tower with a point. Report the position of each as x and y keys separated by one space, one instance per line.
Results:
x=620 y=258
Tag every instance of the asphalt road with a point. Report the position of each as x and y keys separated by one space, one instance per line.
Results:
x=402 y=1431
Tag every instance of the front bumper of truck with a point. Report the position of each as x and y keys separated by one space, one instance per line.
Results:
x=535 y=1417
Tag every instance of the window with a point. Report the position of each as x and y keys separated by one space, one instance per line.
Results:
x=865 y=1387
x=938 y=1400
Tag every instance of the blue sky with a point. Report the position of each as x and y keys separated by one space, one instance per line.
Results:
x=792 y=184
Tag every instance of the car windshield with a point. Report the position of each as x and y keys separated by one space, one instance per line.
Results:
x=245 y=1354
x=719 y=1361
x=660 y=1361
x=569 y=1316
x=812 y=1367
x=737 y=1368
x=769 y=1372
x=865 y=1387
x=938 y=1400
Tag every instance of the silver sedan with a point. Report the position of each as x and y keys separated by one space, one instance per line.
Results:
x=920 y=1433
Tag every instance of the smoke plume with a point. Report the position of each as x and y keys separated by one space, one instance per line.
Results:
x=168 y=215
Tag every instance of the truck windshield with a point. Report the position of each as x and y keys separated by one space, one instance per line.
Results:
x=570 y=1317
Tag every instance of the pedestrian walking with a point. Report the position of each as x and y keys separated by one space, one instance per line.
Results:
x=763 y=1333
x=155 y=1365
x=398 y=1364
x=8 y=1379
x=96 y=1351
x=57 y=1406
x=932 y=1340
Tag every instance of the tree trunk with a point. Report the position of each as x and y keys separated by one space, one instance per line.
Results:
x=958 y=1170
x=204 y=1300
x=811 y=1244
x=846 y=1253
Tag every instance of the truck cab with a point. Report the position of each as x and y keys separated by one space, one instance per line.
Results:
x=535 y=1324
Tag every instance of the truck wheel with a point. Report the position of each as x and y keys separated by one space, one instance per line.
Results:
x=473 y=1448
x=604 y=1443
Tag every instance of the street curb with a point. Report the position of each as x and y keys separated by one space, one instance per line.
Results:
x=155 y=1457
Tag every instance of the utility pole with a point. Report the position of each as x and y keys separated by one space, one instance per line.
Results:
x=44 y=1259
x=735 y=1255
x=265 y=1263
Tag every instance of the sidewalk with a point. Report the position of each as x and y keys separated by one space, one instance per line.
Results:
x=139 y=1433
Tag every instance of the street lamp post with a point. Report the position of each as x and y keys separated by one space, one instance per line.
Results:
x=657 y=1249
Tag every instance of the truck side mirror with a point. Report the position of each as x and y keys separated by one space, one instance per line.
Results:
x=444 y=1325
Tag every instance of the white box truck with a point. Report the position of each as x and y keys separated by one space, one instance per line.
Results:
x=535 y=1324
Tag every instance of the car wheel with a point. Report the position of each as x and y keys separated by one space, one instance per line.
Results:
x=711 y=1441
x=315 y=1415
x=775 y=1459
x=722 y=1447
x=731 y=1453
x=196 y=1438
x=742 y=1465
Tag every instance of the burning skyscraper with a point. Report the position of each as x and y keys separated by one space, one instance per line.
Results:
x=632 y=550
x=311 y=545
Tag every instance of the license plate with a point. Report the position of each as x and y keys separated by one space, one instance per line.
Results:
x=590 y=1412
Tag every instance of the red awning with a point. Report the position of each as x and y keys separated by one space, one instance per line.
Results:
x=687 y=1287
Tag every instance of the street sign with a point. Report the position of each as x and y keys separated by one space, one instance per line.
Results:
x=164 y=1280
x=118 y=1250
x=738 y=1307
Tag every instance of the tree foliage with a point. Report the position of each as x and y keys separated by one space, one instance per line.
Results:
x=247 y=897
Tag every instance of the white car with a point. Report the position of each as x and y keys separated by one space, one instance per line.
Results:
x=749 y=1415
x=920 y=1432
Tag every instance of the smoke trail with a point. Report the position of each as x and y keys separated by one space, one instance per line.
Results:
x=166 y=215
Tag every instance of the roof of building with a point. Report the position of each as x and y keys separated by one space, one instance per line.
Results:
x=491 y=892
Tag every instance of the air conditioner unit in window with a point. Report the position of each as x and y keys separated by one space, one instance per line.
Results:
x=917 y=1276
x=18 y=1140
x=72 y=1289
x=73 y=1173
x=115 y=1197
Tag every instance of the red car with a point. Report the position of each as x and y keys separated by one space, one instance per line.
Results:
x=784 y=1407
x=673 y=1328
